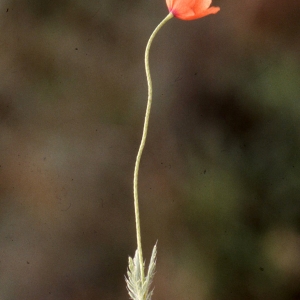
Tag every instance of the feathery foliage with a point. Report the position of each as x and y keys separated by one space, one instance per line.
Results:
x=138 y=288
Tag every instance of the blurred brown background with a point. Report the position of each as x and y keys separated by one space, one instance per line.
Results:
x=219 y=179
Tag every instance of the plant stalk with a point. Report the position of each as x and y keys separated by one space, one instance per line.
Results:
x=142 y=145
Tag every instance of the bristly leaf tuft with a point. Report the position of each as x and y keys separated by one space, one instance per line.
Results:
x=137 y=289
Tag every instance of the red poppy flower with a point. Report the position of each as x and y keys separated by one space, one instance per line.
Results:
x=191 y=9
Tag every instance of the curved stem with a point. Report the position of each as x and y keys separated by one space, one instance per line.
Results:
x=142 y=145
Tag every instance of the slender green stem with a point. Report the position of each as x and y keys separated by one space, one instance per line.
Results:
x=142 y=144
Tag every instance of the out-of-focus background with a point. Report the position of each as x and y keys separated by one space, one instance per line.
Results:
x=220 y=175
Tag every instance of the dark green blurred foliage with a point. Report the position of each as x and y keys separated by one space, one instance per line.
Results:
x=219 y=180
x=242 y=138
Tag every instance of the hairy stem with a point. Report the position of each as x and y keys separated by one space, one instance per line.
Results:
x=142 y=145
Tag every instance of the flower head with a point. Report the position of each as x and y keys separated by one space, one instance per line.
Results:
x=191 y=9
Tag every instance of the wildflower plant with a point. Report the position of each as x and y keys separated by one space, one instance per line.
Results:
x=139 y=285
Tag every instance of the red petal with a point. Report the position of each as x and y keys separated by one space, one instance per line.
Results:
x=191 y=9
